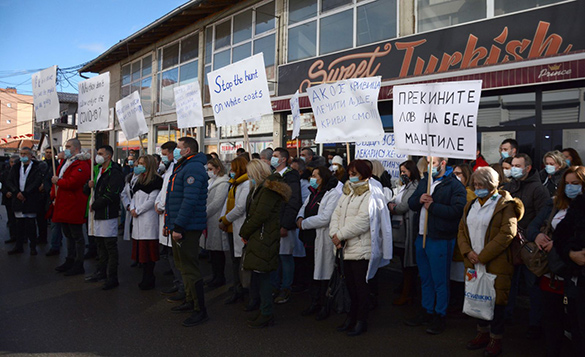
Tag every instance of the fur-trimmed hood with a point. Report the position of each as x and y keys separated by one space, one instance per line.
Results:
x=509 y=200
x=276 y=183
x=82 y=156
x=350 y=188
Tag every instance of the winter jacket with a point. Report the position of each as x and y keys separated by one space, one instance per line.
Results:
x=406 y=231
x=216 y=198
x=532 y=194
x=570 y=235
x=237 y=216
x=496 y=255
x=324 y=248
x=161 y=203
x=449 y=199
x=187 y=195
x=31 y=188
x=107 y=189
x=551 y=182
x=126 y=198
x=4 y=181
x=145 y=226
x=289 y=211
x=540 y=221
x=70 y=201
x=261 y=229
x=316 y=162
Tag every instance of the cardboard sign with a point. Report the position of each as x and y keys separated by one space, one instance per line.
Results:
x=92 y=103
x=188 y=105
x=46 y=100
x=347 y=111
x=437 y=119
x=240 y=91
x=296 y=114
x=382 y=150
x=131 y=116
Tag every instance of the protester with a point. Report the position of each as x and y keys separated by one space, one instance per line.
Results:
x=128 y=167
x=508 y=148
x=463 y=173
x=262 y=233
x=381 y=175
x=502 y=178
x=7 y=199
x=70 y=204
x=56 y=228
x=338 y=169
x=555 y=167
x=47 y=171
x=313 y=222
x=240 y=151
x=479 y=161
x=311 y=159
x=486 y=231
x=572 y=157
x=104 y=212
x=266 y=156
x=126 y=199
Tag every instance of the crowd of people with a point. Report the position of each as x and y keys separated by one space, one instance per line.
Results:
x=288 y=223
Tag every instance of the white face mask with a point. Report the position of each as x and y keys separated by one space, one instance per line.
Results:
x=508 y=172
x=99 y=160
x=211 y=174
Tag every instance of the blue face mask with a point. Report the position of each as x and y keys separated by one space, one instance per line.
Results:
x=330 y=162
x=505 y=154
x=313 y=183
x=67 y=153
x=24 y=159
x=165 y=159
x=177 y=154
x=253 y=182
x=481 y=192
x=435 y=171
x=517 y=172
x=139 y=170
x=550 y=169
x=274 y=161
x=572 y=191
x=232 y=175
x=303 y=158
x=568 y=162
x=354 y=179
x=130 y=162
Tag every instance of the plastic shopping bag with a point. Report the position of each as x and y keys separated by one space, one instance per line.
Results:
x=480 y=293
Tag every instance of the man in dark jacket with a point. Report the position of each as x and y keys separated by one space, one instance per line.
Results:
x=186 y=218
x=7 y=198
x=444 y=207
x=288 y=230
x=311 y=159
x=104 y=211
x=24 y=180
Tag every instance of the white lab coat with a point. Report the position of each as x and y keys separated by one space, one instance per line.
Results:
x=160 y=201
x=145 y=226
x=237 y=215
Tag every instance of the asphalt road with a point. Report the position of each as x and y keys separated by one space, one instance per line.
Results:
x=45 y=313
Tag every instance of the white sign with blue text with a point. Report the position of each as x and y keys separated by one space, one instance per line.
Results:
x=437 y=119
x=382 y=150
x=46 y=100
x=188 y=105
x=93 y=104
x=347 y=111
x=131 y=116
x=296 y=114
x=239 y=92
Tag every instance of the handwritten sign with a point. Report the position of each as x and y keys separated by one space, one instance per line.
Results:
x=93 y=104
x=296 y=114
x=382 y=150
x=188 y=104
x=437 y=119
x=46 y=100
x=240 y=91
x=131 y=116
x=347 y=110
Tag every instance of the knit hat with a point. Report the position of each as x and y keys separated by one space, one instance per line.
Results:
x=337 y=160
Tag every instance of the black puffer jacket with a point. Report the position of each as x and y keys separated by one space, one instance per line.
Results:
x=107 y=191
x=570 y=235
x=551 y=182
x=532 y=193
x=31 y=189
x=290 y=209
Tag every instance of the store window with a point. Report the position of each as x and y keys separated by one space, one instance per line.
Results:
x=177 y=65
x=507 y=110
x=318 y=27
x=507 y=6
x=560 y=107
x=137 y=76
x=166 y=132
x=434 y=14
x=242 y=35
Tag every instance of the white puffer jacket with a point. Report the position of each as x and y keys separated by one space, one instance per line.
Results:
x=351 y=221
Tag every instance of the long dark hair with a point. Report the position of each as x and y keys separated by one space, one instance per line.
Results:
x=561 y=199
x=575 y=156
x=325 y=175
x=411 y=166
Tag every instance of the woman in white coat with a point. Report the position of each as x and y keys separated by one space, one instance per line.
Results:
x=313 y=221
x=216 y=242
x=232 y=218
x=145 y=218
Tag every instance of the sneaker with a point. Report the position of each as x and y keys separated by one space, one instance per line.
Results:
x=437 y=327
x=494 y=348
x=480 y=341
x=197 y=318
x=423 y=318
x=283 y=296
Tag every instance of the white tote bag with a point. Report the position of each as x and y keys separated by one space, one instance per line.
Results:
x=480 y=293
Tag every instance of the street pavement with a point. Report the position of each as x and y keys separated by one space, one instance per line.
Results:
x=44 y=313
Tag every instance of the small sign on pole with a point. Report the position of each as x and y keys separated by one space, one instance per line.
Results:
x=131 y=116
x=188 y=105
x=93 y=104
x=46 y=100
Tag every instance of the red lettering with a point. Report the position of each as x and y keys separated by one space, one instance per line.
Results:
x=409 y=47
x=472 y=55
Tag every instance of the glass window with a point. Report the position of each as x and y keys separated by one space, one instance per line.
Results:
x=135 y=70
x=332 y=4
x=560 y=106
x=266 y=45
x=300 y=10
x=222 y=34
x=336 y=32
x=243 y=26
x=302 y=41
x=126 y=74
x=507 y=6
x=210 y=129
x=146 y=95
x=376 y=21
x=171 y=56
x=241 y=52
x=188 y=72
x=146 y=66
x=434 y=14
x=169 y=81
x=265 y=18
x=189 y=48
x=125 y=91
x=221 y=59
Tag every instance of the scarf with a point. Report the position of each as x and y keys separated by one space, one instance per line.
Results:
x=231 y=200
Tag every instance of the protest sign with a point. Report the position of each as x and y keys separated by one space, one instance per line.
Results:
x=93 y=104
x=46 y=100
x=382 y=150
x=188 y=105
x=296 y=114
x=437 y=119
x=240 y=91
x=347 y=110
x=131 y=116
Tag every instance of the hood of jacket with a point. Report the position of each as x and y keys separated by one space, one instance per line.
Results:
x=82 y=156
x=276 y=183
x=509 y=200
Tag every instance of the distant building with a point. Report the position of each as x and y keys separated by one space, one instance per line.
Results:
x=16 y=120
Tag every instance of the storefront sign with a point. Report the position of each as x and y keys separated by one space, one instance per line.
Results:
x=131 y=116
x=188 y=104
x=240 y=91
x=93 y=104
x=347 y=111
x=382 y=150
x=230 y=148
x=551 y=31
x=46 y=100
x=438 y=119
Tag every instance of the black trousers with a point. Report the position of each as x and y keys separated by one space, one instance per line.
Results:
x=359 y=290
x=217 y=263
x=41 y=221
x=317 y=288
x=108 y=254
x=11 y=220
x=26 y=232
x=75 y=241
x=496 y=325
x=235 y=261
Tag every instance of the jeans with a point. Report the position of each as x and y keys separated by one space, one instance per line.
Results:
x=56 y=236
x=531 y=281
x=266 y=304
x=434 y=265
x=286 y=268
x=177 y=277
x=108 y=253
x=75 y=241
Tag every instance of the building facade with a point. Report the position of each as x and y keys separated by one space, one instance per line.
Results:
x=16 y=116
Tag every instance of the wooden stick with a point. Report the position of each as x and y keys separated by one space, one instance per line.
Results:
x=141 y=146
x=430 y=177
x=347 y=148
x=246 y=139
x=298 y=148
x=51 y=146
x=91 y=216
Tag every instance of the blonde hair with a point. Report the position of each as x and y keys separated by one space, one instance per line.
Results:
x=377 y=168
x=218 y=165
x=258 y=170
x=151 y=166
x=487 y=177
x=557 y=156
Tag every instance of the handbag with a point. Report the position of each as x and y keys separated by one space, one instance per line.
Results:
x=337 y=294
x=480 y=293
x=516 y=247
x=535 y=259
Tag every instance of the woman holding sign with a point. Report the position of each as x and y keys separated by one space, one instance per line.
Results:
x=486 y=230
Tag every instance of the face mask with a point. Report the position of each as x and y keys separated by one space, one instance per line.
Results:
x=139 y=170
x=458 y=178
x=517 y=172
x=162 y=167
x=232 y=175
x=130 y=162
x=67 y=153
x=572 y=191
x=330 y=162
x=550 y=169
x=333 y=168
x=211 y=174
x=354 y=179
x=177 y=154
x=568 y=162
x=303 y=158
x=435 y=171
x=505 y=155
x=507 y=172
x=274 y=161
x=99 y=159
x=405 y=179
x=481 y=192
x=313 y=183
x=24 y=159
x=165 y=159
x=253 y=182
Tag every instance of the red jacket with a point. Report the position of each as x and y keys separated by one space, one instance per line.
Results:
x=480 y=162
x=70 y=203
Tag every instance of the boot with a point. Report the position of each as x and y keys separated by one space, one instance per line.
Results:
x=76 y=269
x=262 y=321
x=480 y=341
x=197 y=318
x=65 y=266
x=148 y=278
x=360 y=327
x=494 y=348
x=407 y=287
x=217 y=282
